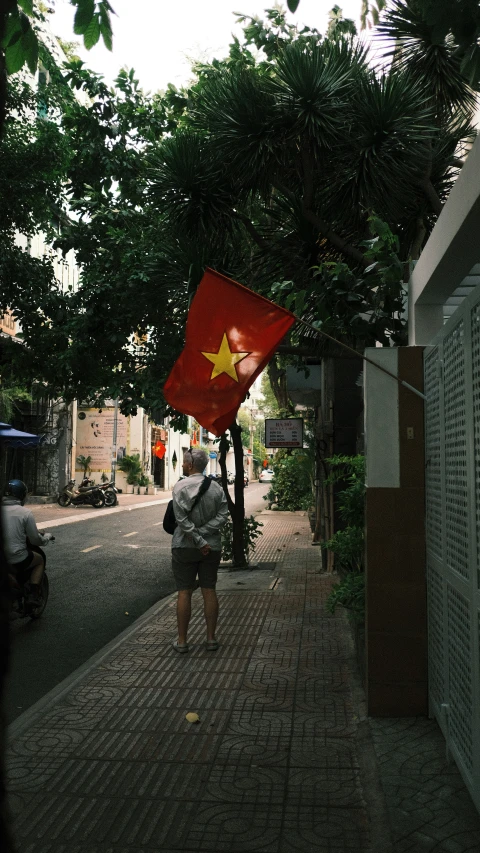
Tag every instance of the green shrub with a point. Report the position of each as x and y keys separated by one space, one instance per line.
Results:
x=348 y=545
x=251 y=532
x=132 y=467
x=351 y=500
x=349 y=593
x=291 y=487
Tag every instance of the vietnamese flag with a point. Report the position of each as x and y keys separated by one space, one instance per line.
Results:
x=159 y=450
x=231 y=335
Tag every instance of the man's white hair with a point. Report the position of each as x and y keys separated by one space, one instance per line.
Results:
x=199 y=458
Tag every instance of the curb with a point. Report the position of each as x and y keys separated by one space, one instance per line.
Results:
x=57 y=522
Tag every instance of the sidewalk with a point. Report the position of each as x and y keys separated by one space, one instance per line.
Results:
x=44 y=513
x=283 y=758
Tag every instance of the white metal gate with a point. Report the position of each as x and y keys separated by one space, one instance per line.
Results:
x=452 y=451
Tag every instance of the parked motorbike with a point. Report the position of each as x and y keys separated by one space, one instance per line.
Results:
x=110 y=491
x=18 y=590
x=89 y=496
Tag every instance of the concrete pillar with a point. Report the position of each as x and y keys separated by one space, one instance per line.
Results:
x=396 y=629
x=424 y=322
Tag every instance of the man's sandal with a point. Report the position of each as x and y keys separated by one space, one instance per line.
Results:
x=212 y=645
x=178 y=648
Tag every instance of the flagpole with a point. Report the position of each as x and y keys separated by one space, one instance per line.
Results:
x=363 y=357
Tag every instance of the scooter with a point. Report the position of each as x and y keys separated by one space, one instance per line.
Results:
x=18 y=591
x=110 y=491
x=89 y=496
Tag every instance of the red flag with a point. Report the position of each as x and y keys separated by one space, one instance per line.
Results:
x=159 y=450
x=231 y=335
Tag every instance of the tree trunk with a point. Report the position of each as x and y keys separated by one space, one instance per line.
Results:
x=223 y=469
x=238 y=516
x=237 y=507
x=6 y=842
x=278 y=381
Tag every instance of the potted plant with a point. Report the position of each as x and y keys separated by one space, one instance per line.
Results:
x=131 y=466
x=84 y=462
x=142 y=484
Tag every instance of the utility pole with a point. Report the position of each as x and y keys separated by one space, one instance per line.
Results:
x=114 y=440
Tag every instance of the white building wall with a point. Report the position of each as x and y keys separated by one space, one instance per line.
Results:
x=382 y=438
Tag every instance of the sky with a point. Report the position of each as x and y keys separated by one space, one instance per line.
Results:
x=159 y=38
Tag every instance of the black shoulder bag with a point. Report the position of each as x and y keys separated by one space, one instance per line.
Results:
x=169 y=520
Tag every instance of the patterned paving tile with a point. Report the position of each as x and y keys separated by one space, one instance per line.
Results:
x=247 y=783
x=278 y=657
x=102 y=778
x=159 y=698
x=163 y=721
x=268 y=698
x=428 y=804
x=261 y=751
x=261 y=676
x=58 y=743
x=324 y=788
x=68 y=848
x=324 y=830
x=106 y=821
x=235 y=827
x=266 y=724
x=142 y=746
x=330 y=753
x=170 y=679
x=335 y=721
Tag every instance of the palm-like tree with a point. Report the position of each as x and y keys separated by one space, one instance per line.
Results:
x=292 y=154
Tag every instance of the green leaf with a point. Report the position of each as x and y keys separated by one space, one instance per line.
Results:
x=105 y=26
x=83 y=16
x=293 y=5
x=30 y=46
x=13 y=31
x=15 y=56
x=92 y=33
x=26 y=5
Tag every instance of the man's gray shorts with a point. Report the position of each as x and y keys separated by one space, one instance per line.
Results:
x=187 y=563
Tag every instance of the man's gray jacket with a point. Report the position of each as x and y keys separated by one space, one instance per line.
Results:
x=202 y=525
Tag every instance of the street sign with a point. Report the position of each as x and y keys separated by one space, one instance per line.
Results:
x=284 y=432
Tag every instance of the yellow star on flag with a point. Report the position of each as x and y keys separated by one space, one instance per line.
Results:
x=224 y=360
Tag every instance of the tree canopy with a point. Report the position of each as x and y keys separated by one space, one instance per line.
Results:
x=337 y=170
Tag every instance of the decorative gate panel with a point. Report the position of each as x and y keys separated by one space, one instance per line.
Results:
x=452 y=482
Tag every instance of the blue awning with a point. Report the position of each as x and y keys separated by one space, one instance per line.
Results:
x=11 y=437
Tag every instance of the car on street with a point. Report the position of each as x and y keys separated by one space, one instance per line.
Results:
x=266 y=476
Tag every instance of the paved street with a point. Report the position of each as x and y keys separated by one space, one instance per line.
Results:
x=105 y=571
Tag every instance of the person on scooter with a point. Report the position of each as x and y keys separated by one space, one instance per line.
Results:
x=18 y=527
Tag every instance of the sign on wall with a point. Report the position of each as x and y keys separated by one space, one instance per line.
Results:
x=95 y=437
x=283 y=432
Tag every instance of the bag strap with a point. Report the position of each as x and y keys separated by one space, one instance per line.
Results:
x=203 y=488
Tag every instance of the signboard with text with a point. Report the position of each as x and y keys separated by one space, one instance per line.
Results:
x=95 y=437
x=283 y=432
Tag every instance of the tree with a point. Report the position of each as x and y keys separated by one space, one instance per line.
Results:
x=84 y=462
x=20 y=35
x=440 y=38
x=370 y=12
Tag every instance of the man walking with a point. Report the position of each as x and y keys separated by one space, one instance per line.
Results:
x=196 y=545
